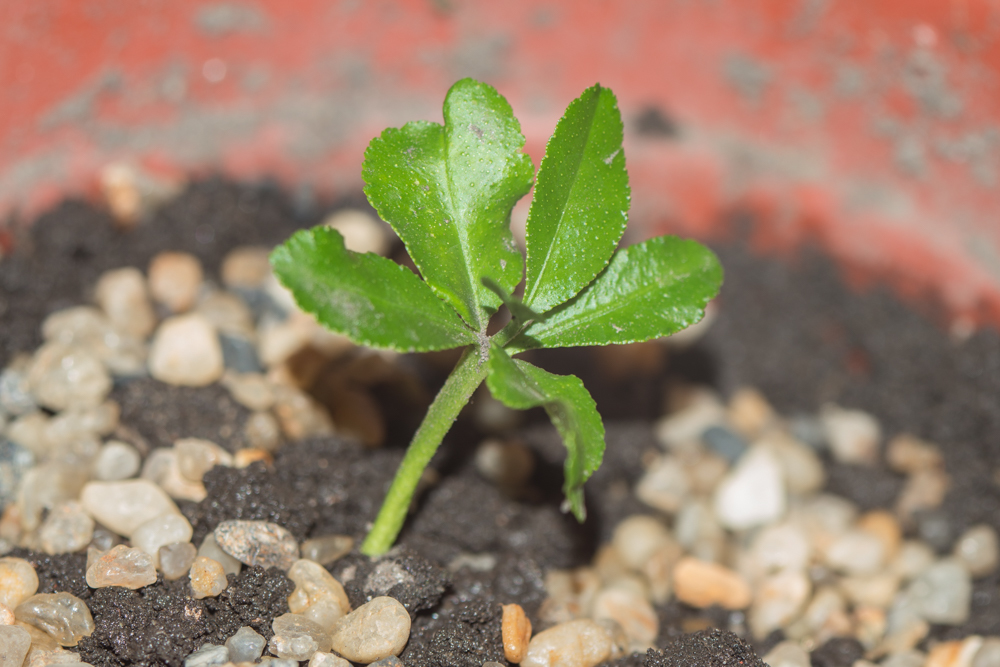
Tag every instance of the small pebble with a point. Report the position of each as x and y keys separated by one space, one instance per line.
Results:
x=268 y=661
x=124 y=506
x=515 y=633
x=263 y=431
x=62 y=377
x=14 y=645
x=853 y=435
x=18 y=581
x=913 y=558
x=960 y=653
x=724 y=442
x=753 y=494
x=208 y=655
x=978 y=550
x=161 y=468
x=239 y=354
x=936 y=528
x=872 y=590
x=375 y=630
x=6 y=615
x=855 y=552
x=258 y=543
x=638 y=537
x=801 y=468
x=208 y=579
x=123 y=296
x=317 y=595
x=579 y=643
x=778 y=600
x=244 y=457
x=246 y=645
x=910 y=658
x=702 y=585
x=15 y=461
x=988 y=654
x=297 y=638
x=210 y=549
x=698 y=531
x=15 y=395
x=787 y=654
x=391 y=661
x=885 y=527
x=780 y=547
x=165 y=529
x=185 y=351
x=228 y=313
x=505 y=463
x=196 y=456
x=174 y=280
x=907 y=454
x=123 y=566
x=251 y=390
x=923 y=490
x=327 y=549
x=64 y=617
x=86 y=328
x=246 y=267
x=684 y=427
x=749 y=412
x=665 y=486
x=116 y=461
x=629 y=608
x=362 y=232
x=66 y=529
x=942 y=593
x=300 y=415
x=321 y=659
x=176 y=560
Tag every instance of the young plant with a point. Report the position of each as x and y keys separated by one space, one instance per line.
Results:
x=448 y=190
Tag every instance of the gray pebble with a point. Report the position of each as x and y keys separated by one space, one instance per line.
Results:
x=934 y=527
x=15 y=399
x=15 y=460
x=239 y=354
x=246 y=645
x=808 y=430
x=391 y=661
x=208 y=656
x=724 y=442
x=942 y=593
x=258 y=543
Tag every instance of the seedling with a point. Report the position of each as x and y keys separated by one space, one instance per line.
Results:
x=448 y=190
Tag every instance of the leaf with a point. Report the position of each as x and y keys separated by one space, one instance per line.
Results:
x=581 y=201
x=517 y=384
x=448 y=192
x=518 y=310
x=648 y=290
x=370 y=299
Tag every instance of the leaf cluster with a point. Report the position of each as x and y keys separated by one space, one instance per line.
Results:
x=447 y=191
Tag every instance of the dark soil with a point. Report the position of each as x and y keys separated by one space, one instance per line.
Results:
x=793 y=331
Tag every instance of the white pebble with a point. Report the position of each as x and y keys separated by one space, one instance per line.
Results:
x=853 y=435
x=780 y=547
x=665 y=486
x=246 y=267
x=297 y=638
x=174 y=279
x=580 y=643
x=196 y=456
x=116 y=461
x=124 y=298
x=210 y=549
x=159 y=531
x=209 y=655
x=855 y=552
x=321 y=659
x=62 y=377
x=638 y=537
x=124 y=506
x=246 y=645
x=186 y=352
x=176 y=559
x=942 y=593
x=66 y=529
x=161 y=468
x=122 y=566
x=374 y=630
x=327 y=549
x=752 y=494
x=630 y=609
x=913 y=558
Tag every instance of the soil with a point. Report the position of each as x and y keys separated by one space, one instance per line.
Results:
x=793 y=330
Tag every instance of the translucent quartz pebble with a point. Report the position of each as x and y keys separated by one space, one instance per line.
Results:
x=268 y=661
x=116 y=461
x=208 y=655
x=978 y=549
x=45 y=486
x=753 y=493
x=18 y=581
x=15 y=398
x=161 y=467
x=196 y=456
x=207 y=578
x=14 y=644
x=57 y=656
x=210 y=549
x=327 y=549
x=185 y=351
x=87 y=328
x=66 y=529
x=65 y=617
x=942 y=593
x=124 y=506
x=297 y=638
x=580 y=643
x=375 y=630
x=123 y=296
x=245 y=646
x=165 y=529
x=15 y=461
x=122 y=566
x=317 y=595
x=62 y=377
x=391 y=661
x=258 y=543
x=176 y=560
x=320 y=659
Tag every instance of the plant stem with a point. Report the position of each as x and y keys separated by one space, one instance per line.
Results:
x=467 y=375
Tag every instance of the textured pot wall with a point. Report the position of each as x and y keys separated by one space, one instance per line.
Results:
x=873 y=127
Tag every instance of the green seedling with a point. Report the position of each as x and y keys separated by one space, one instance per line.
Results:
x=448 y=190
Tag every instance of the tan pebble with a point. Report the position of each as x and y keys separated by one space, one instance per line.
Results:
x=119 y=185
x=123 y=566
x=326 y=549
x=162 y=468
x=263 y=431
x=62 y=615
x=300 y=415
x=516 y=633
x=244 y=457
x=658 y=570
x=630 y=610
x=979 y=550
x=251 y=390
x=959 y=653
x=787 y=654
x=638 y=537
x=777 y=601
x=904 y=638
x=375 y=630
x=665 y=486
x=6 y=615
x=873 y=590
x=580 y=643
x=246 y=266
x=46 y=657
x=208 y=579
x=853 y=435
x=869 y=625
x=913 y=558
x=124 y=298
x=885 y=527
x=362 y=232
x=15 y=643
x=18 y=581
x=749 y=412
x=702 y=584
x=321 y=659
x=908 y=454
x=318 y=595
x=609 y=562
x=196 y=456
x=923 y=490
x=186 y=352
x=684 y=427
x=174 y=279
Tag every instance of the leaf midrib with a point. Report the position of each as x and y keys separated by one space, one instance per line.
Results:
x=562 y=215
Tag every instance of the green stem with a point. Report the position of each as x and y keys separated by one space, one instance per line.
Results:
x=454 y=395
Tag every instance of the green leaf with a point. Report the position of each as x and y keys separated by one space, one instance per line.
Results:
x=518 y=310
x=581 y=201
x=448 y=192
x=648 y=290
x=517 y=384
x=370 y=299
